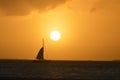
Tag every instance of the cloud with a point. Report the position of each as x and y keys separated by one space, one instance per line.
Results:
x=95 y=5
x=24 y=7
x=112 y=5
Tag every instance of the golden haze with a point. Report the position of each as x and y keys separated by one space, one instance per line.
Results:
x=88 y=33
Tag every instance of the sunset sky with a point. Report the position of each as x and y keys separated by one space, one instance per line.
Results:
x=90 y=29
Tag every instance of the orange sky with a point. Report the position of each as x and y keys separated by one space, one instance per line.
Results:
x=90 y=29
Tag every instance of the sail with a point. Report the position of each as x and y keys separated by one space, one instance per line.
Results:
x=40 y=55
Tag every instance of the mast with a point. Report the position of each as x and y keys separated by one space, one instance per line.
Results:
x=43 y=48
x=43 y=42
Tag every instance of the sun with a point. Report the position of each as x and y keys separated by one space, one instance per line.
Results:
x=55 y=35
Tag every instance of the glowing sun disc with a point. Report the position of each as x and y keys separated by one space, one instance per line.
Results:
x=55 y=35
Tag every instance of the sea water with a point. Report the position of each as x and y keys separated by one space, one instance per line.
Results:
x=88 y=70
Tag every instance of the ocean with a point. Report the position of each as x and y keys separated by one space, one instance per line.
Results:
x=82 y=70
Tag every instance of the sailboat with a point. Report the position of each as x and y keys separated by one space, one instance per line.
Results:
x=40 y=55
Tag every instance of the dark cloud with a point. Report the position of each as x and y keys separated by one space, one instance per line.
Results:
x=106 y=5
x=24 y=7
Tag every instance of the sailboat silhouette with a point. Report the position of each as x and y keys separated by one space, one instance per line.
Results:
x=40 y=55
